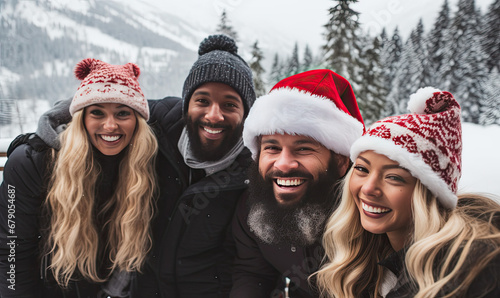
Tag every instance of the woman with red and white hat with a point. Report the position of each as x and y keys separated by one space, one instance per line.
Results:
x=79 y=217
x=401 y=230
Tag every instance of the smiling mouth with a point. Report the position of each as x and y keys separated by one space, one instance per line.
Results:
x=289 y=182
x=373 y=209
x=212 y=131
x=109 y=138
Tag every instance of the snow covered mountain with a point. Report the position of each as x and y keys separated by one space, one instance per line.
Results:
x=43 y=40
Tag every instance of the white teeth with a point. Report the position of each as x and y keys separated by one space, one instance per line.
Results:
x=287 y=182
x=212 y=131
x=110 y=138
x=372 y=209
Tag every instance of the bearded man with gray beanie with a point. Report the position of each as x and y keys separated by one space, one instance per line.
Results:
x=201 y=169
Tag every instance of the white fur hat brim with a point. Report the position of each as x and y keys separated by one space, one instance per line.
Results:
x=295 y=112
x=410 y=161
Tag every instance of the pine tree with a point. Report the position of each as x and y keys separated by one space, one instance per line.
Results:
x=491 y=36
x=395 y=49
x=308 y=60
x=373 y=93
x=276 y=73
x=293 y=65
x=490 y=109
x=257 y=70
x=409 y=73
x=468 y=71
x=383 y=38
x=225 y=28
x=413 y=69
x=389 y=58
x=438 y=53
x=342 y=48
x=420 y=71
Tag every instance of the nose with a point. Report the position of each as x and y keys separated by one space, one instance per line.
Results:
x=214 y=114
x=286 y=161
x=110 y=123
x=371 y=187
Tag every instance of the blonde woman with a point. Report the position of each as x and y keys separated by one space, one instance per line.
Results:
x=78 y=219
x=400 y=229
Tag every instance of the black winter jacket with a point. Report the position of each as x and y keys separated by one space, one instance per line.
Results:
x=486 y=284
x=22 y=194
x=260 y=268
x=193 y=248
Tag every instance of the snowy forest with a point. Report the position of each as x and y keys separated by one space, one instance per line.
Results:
x=460 y=54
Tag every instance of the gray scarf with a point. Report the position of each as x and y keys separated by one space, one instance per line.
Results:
x=210 y=167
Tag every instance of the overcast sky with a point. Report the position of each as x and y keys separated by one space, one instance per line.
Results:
x=302 y=21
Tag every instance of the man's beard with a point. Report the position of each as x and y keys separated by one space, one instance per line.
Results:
x=299 y=224
x=209 y=151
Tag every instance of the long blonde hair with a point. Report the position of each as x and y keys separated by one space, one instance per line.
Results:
x=73 y=236
x=352 y=254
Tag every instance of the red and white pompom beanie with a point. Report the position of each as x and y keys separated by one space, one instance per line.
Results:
x=427 y=142
x=106 y=83
x=316 y=103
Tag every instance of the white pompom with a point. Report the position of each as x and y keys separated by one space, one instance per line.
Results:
x=419 y=98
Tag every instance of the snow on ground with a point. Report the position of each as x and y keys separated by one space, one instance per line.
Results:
x=480 y=159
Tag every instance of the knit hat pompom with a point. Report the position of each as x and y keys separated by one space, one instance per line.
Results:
x=135 y=69
x=106 y=83
x=430 y=100
x=86 y=66
x=218 y=42
x=219 y=62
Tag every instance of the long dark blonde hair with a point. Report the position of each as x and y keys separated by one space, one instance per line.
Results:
x=73 y=236
x=471 y=230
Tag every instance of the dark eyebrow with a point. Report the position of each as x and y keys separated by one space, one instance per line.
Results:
x=394 y=166
x=227 y=96
x=270 y=141
x=307 y=141
x=232 y=97
x=296 y=143
x=201 y=93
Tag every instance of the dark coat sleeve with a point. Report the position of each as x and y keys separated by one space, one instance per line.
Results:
x=164 y=112
x=487 y=282
x=20 y=201
x=253 y=276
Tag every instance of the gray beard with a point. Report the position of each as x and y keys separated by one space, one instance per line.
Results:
x=303 y=227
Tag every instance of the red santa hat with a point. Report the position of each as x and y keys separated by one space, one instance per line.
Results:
x=427 y=142
x=106 y=83
x=316 y=103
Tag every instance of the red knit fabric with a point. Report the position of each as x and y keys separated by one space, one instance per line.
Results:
x=106 y=83
x=328 y=84
x=428 y=142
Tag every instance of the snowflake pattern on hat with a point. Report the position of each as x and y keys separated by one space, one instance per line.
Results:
x=106 y=83
x=427 y=142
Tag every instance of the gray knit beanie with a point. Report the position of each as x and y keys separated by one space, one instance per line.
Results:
x=218 y=61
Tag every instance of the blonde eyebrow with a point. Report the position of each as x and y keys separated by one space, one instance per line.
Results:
x=394 y=166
